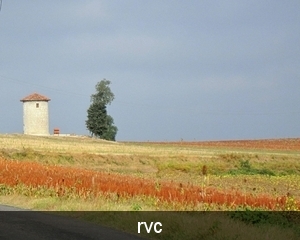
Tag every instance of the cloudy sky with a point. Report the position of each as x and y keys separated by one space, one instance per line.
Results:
x=191 y=70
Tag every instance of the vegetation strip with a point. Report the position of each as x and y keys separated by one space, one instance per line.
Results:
x=91 y=183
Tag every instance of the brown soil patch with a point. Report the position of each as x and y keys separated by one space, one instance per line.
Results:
x=267 y=144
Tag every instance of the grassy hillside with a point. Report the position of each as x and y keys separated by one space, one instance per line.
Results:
x=273 y=171
x=81 y=173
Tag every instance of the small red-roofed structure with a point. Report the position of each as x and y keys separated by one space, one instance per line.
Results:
x=35 y=97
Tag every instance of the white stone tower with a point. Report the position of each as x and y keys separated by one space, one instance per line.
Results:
x=35 y=114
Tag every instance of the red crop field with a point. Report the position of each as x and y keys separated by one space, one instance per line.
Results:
x=266 y=144
x=239 y=174
x=92 y=183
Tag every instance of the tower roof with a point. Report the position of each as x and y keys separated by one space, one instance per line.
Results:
x=35 y=97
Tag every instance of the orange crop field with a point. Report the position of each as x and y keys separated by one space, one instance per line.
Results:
x=267 y=144
x=86 y=182
x=211 y=175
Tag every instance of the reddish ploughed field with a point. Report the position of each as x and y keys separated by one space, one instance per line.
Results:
x=271 y=144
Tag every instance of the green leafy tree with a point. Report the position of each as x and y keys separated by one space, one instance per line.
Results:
x=98 y=122
x=111 y=131
x=103 y=93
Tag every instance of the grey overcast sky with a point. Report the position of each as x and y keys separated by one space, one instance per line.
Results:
x=191 y=70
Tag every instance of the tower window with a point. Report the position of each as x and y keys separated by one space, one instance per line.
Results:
x=37 y=105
